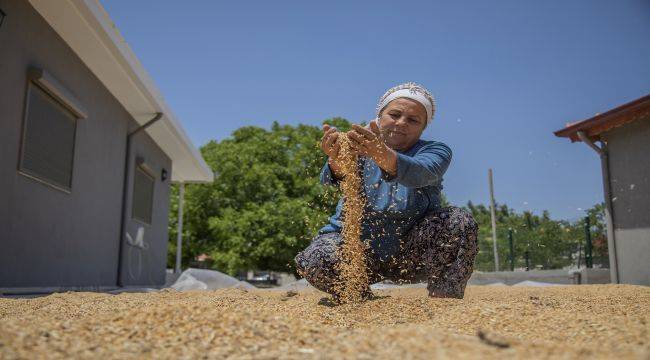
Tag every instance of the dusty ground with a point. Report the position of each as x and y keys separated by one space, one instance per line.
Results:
x=561 y=322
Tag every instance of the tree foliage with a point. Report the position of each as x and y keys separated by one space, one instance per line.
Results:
x=266 y=201
x=550 y=244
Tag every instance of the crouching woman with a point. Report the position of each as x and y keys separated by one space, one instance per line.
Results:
x=409 y=235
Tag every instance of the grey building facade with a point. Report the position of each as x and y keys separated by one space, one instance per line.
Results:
x=69 y=218
x=624 y=136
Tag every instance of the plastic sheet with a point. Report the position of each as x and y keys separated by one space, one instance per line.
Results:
x=536 y=283
x=200 y=279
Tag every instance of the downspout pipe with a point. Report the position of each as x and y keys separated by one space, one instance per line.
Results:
x=609 y=208
x=125 y=185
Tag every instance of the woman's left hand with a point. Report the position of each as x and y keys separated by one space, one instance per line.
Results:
x=368 y=142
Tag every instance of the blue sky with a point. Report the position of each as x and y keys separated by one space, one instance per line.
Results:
x=506 y=74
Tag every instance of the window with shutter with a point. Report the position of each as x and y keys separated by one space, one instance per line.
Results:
x=143 y=186
x=48 y=139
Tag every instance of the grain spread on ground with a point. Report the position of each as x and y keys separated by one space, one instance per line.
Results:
x=353 y=275
x=586 y=321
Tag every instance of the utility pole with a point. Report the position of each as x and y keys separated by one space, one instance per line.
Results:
x=529 y=223
x=512 y=250
x=179 y=236
x=494 y=222
x=588 y=255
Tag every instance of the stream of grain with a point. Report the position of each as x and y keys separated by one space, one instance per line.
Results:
x=353 y=284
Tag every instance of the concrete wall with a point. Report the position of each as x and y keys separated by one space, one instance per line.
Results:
x=629 y=161
x=50 y=238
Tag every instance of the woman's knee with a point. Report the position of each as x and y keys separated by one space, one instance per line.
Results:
x=317 y=263
x=459 y=221
x=448 y=226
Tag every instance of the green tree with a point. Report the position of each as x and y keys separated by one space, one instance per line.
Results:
x=551 y=244
x=266 y=201
x=598 y=234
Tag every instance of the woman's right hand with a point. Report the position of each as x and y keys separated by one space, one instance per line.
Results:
x=331 y=147
x=328 y=143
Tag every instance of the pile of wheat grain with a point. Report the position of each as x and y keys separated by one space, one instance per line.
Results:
x=566 y=322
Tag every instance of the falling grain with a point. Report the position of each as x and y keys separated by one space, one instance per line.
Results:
x=353 y=283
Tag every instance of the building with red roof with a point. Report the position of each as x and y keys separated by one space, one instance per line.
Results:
x=621 y=138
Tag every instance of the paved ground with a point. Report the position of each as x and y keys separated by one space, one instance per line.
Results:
x=588 y=321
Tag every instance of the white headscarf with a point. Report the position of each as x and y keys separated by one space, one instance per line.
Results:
x=412 y=91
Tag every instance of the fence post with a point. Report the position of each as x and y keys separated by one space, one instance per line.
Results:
x=494 y=222
x=579 y=255
x=527 y=256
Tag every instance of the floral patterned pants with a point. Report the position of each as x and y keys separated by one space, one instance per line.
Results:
x=439 y=249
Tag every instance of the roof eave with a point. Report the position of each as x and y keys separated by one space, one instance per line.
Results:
x=86 y=27
x=611 y=119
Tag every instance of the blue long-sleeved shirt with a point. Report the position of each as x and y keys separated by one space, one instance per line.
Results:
x=394 y=205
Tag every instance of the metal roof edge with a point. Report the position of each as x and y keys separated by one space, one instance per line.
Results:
x=125 y=77
x=608 y=120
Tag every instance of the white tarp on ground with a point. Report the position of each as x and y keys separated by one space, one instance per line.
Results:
x=383 y=285
x=200 y=279
x=536 y=283
x=302 y=284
